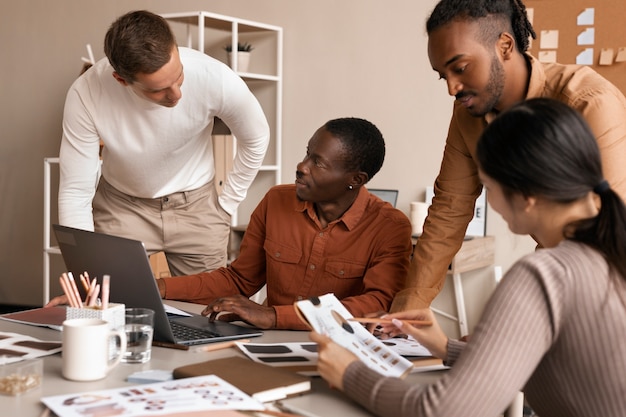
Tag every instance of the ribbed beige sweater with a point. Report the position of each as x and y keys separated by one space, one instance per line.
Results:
x=555 y=328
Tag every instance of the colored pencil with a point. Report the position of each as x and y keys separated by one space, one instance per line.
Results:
x=74 y=289
x=105 y=291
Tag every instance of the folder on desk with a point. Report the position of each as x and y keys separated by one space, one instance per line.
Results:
x=52 y=317
x=262 y=382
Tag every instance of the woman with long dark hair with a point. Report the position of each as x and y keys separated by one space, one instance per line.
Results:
x=555 y=326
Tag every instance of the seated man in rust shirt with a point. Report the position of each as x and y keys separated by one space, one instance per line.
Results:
x=324 y=234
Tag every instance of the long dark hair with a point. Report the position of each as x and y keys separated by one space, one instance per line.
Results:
x=542 y=147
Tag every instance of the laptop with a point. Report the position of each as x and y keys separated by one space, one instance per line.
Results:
x=133 y=284
x=390 y=196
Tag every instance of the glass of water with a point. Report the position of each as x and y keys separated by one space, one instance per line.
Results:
x=139 y=330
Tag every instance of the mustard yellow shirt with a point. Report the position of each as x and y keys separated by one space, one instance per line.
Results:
x=457 y=186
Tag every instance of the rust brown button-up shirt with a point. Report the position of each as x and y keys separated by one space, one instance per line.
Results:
x=362 y=257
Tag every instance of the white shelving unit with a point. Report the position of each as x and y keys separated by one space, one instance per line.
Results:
x=49 y=181
x=48 y=249
x=210 y=33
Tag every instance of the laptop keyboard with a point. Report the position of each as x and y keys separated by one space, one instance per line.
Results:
x=185 y=333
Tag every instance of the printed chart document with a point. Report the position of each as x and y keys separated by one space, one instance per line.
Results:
x=15 y=347
x=411 y=349
x=300 y=357
x=181 y=397
x=326 y=315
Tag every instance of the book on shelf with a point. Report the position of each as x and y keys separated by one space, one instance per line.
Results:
x=326 y=315
x=262 y=382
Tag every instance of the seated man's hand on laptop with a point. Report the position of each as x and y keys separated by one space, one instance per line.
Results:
x=56 y=301
x=238 y=307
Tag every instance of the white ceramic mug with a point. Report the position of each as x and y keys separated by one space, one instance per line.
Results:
x=86 y=344
x=419 y=211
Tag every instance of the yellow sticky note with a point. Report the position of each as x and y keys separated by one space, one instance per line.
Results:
x=530 y=13
x=547 y=56
x=606 y=56
x=549 y=39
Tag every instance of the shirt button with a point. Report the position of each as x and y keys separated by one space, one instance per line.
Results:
x=277 y=254
x=312 y=267
x=321 y=234
x=341 y=272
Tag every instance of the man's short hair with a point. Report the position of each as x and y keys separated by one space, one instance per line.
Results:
x=364 y=143
x=138 y=42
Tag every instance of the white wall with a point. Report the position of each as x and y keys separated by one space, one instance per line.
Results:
x=364 y=58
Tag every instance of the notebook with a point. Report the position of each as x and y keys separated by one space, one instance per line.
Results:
x=132 y=284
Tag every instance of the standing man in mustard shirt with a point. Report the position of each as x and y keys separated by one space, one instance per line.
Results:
x=479 y=48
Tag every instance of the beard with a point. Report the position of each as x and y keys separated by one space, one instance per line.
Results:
x=493 y=90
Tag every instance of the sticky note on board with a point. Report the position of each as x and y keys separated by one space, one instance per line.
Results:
x=587 y=37
x=530 y=13
x=606 y=56
x=549 y=39
x=585 y=57
x=586 y=17
x=621 y=54
x=547 y=57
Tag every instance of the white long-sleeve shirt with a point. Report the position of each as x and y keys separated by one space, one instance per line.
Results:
x=151 y=150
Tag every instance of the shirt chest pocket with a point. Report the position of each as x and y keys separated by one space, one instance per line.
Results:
x=280 y=253
x=282 y=266
x=345 y=270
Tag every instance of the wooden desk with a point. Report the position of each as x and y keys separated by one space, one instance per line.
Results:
x=29 y=404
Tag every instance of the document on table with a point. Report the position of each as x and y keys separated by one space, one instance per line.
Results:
x=300 y=357
x=179 y=397
x=15 y=347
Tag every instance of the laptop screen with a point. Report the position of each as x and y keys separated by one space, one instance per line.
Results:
x=391 y=196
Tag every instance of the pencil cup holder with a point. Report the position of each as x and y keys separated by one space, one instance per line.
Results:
x=114 y=314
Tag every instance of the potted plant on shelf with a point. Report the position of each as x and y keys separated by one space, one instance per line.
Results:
x=243 y=55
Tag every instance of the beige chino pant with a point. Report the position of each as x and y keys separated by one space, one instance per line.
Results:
x=190 y=227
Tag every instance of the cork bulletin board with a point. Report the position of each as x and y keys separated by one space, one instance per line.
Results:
x=581 y=31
